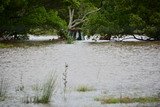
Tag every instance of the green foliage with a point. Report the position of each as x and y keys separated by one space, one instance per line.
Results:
x=69 y=39
x=109 y=20
x=56 y=21
x=19 y=16
x=153 y=32
x=126 y=17
x=43 y=31
x=3 y=4
x=43 y=93
x=116 y=17
x=66 y=36
x=10 y=18
x=136 y=21
x=40 y=17
x=37 y=17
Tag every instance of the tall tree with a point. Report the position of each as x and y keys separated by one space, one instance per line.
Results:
x=78 y=11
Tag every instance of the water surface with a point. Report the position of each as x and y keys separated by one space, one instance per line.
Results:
x=111 y=69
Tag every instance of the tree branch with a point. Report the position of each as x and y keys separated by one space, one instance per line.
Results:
x=79 y=21
x=89 y=13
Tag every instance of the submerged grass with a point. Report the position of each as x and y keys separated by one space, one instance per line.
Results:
x=47 y=90
x=84 y=88
x=3 y=89
x=11 y=44
x=44 y=92
x=105 y=100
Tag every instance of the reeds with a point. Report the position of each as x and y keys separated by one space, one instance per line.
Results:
x=44 y=92
x=3 y=89
x=65 y=77
x=47 y=90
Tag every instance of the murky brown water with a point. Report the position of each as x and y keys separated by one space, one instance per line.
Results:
x=110 y=69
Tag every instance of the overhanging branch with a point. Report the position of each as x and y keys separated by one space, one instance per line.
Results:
x=76 y=22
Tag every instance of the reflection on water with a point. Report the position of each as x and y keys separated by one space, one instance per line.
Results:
x=112 y=70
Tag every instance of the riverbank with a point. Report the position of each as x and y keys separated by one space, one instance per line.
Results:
x=128 y=43
x=43 y=40
x=25 y=44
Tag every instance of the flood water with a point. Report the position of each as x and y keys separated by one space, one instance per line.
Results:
x=110 y=69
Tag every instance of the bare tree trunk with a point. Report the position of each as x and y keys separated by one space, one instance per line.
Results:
x=73 y=23
x=71 y=14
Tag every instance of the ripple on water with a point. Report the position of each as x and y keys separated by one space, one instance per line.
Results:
x=116 y=69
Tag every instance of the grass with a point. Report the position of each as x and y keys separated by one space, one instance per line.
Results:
x=44 y=92
x=47 y=90
x=105 y=100
x=65 y=77
x=84 y=88
x=3 y=89
x=25 y=44
x=2 y=45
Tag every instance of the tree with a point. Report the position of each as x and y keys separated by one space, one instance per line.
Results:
x=78 y=11
x=19 y=16
x=123 y=17
x=105 y=17
x=110 y=20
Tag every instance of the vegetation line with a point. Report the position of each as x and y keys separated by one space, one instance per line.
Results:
x=84 y=88
x=105 y=100
x=3 y=88
x=24 y=44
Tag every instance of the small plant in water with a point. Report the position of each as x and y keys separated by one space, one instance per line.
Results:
x=44 y=92
x=3 y=88
x=47 y=90
x=84 y=88
x=21 y=86
x=65 y=77
x=65 y=80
